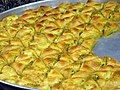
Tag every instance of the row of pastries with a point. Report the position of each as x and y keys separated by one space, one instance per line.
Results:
x=51 y=48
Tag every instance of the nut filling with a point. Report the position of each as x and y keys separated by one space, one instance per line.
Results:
x=51 y=48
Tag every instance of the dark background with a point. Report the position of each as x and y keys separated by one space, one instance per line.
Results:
x=8 y=4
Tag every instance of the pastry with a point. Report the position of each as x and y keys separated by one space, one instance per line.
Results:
x=51 y=48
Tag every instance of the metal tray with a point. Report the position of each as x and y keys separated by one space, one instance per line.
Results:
x=106 y=47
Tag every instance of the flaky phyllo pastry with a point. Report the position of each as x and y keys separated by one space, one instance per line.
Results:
x=51 y=48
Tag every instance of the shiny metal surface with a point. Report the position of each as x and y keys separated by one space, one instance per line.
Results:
x=106 y=46
x=19 y=10
x=109 y=46
x=9 y=86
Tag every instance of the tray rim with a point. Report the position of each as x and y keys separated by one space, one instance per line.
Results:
x=19 y=7
x=9 y=12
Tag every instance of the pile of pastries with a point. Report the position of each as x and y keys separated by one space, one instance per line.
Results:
x=52 y=48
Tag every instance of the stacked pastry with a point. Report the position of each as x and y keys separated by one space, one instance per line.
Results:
x=51 y=48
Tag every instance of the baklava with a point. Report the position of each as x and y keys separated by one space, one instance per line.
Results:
x=52 y=48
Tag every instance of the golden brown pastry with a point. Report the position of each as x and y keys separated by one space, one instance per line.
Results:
x=51 y=48
x=96 y=5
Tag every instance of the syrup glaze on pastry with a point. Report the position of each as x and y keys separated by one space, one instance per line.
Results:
x=51 y=48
